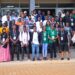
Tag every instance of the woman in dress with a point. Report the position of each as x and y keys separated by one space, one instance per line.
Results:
x=4 y=46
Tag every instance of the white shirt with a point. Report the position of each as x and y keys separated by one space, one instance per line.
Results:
x=62 y=15
x=39 y=29
x=33 y=18
x=24 y=37
x=4 y=18
x=44 y=22
x=21 y=28
x=35 y=38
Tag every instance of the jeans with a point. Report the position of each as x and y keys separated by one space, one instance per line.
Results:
x=35 y=48
x=44 y=49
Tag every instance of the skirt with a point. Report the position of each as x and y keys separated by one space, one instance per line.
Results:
x=4 y=54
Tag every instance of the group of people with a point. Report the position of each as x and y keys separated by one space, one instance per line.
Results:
x=22 y=34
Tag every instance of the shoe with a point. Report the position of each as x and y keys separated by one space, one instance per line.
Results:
x=21 y=59
x=45 y=58
x=12 y=59
x=33 y=59
x=51 y=58
x=18 y=59
x=38 y=59
x=68 y=58
x=62 y=58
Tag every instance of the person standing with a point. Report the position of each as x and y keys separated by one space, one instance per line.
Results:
x=4 y=46
x=39 y=25
x=63 y=41
x=52 y=36
x=44 y=43
x=45 y=21
x=30 y=24
x=48 y=26
x=25 y=37
x=35 y=44
x=69 y=33
x=14 y=38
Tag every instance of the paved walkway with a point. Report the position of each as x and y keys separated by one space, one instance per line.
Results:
x=54 y=67
x=49 y=67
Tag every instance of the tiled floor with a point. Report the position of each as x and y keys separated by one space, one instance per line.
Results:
x=54 y=67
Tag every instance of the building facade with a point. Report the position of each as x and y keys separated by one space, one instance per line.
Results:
x=54 y=5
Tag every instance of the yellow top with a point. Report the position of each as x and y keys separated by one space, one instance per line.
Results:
x=1 y=30
x=7 y=29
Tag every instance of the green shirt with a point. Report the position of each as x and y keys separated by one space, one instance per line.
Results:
x=52 y=34
x=73 y=16
x=48 y=28
x=45 y=37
